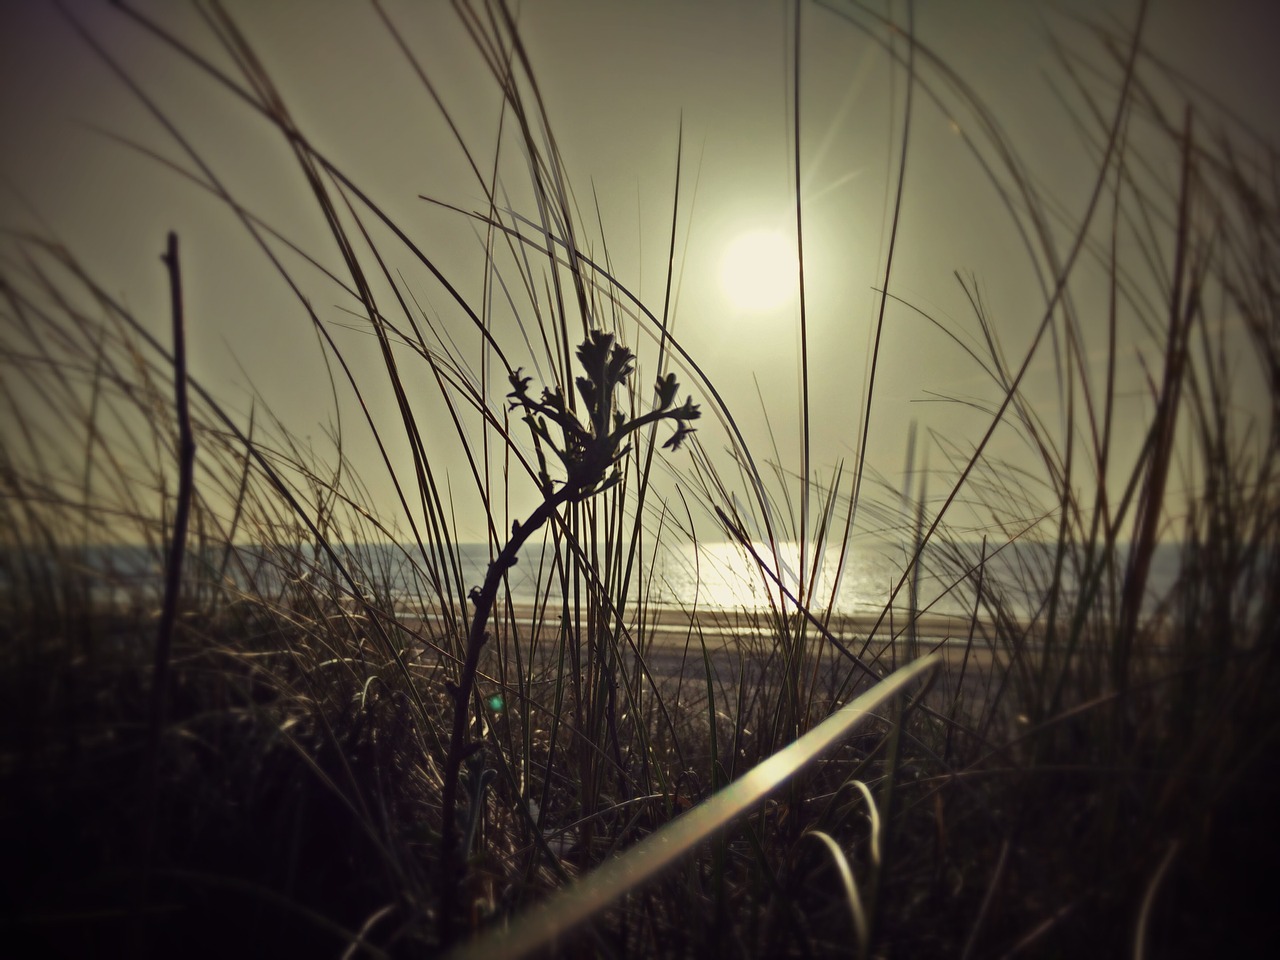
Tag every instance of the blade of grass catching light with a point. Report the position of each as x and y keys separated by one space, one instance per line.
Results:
x=856 y=909
x=542 y=925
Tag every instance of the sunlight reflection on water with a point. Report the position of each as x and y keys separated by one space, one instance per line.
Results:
x=727 y=576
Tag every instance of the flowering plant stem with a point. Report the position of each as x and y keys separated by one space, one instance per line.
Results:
x=591 y=456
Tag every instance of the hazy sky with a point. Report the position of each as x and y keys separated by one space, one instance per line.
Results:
x=618 y=79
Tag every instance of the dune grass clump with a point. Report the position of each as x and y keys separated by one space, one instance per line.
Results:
x=367 y=748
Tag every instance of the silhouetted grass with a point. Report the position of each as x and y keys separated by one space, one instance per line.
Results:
x=1092 y=768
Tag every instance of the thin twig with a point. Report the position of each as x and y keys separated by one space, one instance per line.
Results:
x=186 y=470
x=173 y=568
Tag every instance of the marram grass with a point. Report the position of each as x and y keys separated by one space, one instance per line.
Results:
x=1091 y=768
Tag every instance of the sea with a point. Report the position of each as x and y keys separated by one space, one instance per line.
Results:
x=708 y=576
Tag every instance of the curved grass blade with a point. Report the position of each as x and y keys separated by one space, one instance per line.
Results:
x=856 y=910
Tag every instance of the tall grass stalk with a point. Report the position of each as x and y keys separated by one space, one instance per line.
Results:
x=1090 y=769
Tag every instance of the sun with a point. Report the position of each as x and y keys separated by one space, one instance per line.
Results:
x=758 y=270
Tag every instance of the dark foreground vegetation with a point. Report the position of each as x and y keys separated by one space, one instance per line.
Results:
x=251 y=752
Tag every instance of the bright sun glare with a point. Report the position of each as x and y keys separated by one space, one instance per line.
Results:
x=758 y=270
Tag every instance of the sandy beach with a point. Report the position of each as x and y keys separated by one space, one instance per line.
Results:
x=671 y=640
